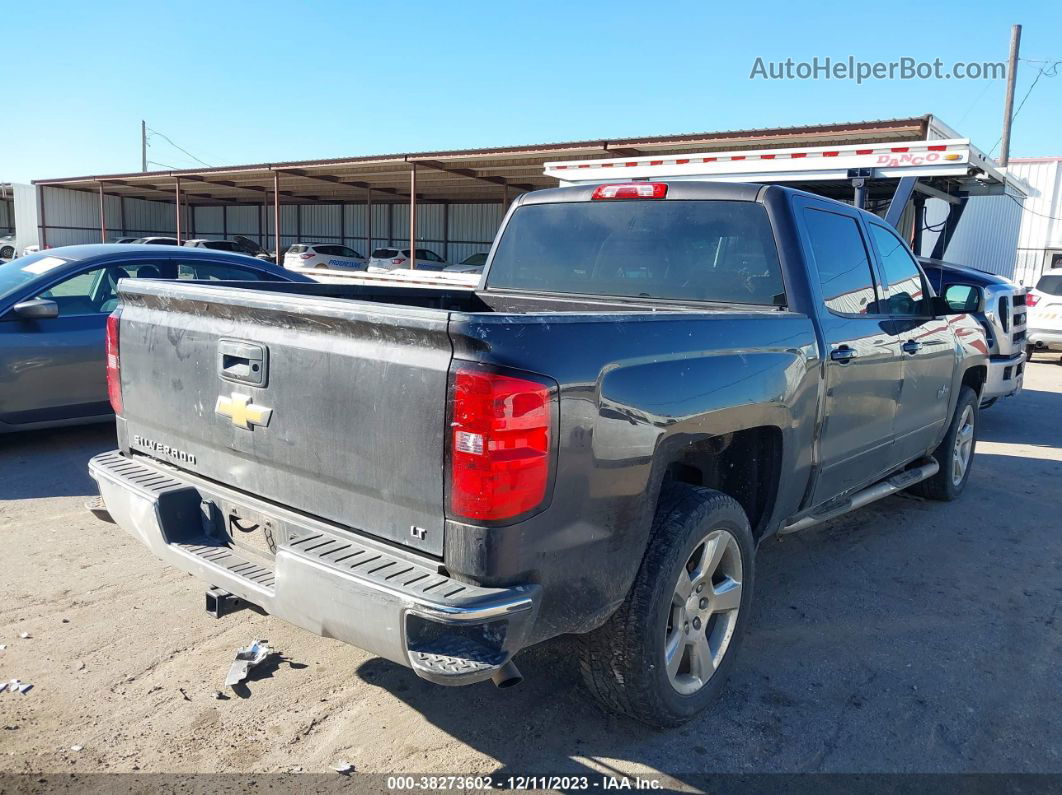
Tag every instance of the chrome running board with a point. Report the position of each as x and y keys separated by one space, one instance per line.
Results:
x=898 y=482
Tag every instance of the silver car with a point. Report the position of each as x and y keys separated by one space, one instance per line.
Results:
x=389 y=259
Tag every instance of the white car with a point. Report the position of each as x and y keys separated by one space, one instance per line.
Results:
x=471 y=264
x=1043 y=305
x=238 y=245
x=389 y=259
x=157 y=241
x=323 y=255
x=7 y=248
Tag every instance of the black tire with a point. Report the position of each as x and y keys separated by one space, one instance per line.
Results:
x=623 y=662
x=987 y=404
x=7 y=252
x=943 y=486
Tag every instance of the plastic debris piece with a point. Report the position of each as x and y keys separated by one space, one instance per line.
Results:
x=24 y=688
x=3 y=646
x=25 y=635
x=343 y=767
x=76 y=747
x=3 y=686
x=246 y=659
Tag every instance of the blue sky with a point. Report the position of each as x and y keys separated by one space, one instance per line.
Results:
x=236 y=82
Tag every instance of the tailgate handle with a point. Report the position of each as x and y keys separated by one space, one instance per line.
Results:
x=243 y=362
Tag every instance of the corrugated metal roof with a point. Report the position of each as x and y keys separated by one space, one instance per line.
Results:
x=461 y=175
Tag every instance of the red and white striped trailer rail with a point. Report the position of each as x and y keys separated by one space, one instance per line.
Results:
x=953 y=158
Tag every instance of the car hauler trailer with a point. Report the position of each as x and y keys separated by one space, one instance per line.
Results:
x=904 y=182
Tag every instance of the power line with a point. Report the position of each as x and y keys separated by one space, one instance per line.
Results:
x=175 y=146
x=1021 y=204
x=164 y=165
x=1045 y=71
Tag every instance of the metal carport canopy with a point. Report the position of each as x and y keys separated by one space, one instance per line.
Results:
x=455 y=176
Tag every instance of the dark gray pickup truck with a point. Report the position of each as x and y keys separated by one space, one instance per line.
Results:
x=650 y=379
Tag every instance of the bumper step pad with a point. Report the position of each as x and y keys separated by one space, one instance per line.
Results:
x=455 y=656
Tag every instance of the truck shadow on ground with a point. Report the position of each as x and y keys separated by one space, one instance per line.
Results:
x=906 y=637
x=52 y=463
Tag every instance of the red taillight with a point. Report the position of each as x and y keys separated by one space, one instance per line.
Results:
x=307 y=255
x=397 y=261
x=114 y=365
x=499 y=445
x=631 y=190
x=1032 y=299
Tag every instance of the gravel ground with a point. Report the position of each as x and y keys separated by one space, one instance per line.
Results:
x=911 y=636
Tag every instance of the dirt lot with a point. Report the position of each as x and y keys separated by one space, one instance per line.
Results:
x=911 y=636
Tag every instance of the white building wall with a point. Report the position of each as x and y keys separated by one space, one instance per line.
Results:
x=1041 y=224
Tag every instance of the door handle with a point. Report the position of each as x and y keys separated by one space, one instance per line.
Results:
x=842 y=354
x=243 y=362
x=911 y=346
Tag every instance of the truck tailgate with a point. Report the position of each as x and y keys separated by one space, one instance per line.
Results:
x=346 y=424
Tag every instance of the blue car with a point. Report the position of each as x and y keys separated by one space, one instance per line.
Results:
x=53 y=314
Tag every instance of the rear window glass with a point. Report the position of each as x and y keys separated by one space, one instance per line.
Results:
x=1052 y=285
x=296 y=249
x=220 y=245
x=385 y=253
x=686 y=250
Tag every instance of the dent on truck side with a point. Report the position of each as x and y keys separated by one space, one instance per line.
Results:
x=635 y=391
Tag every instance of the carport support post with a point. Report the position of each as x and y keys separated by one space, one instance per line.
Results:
x=446 y=230
x=103 y=217
x=368 y=222
x=177 y=204
x=42 y=226
x=276 y=214
x=412 y=216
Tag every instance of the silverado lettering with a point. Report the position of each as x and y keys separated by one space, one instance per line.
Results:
x=163 y=450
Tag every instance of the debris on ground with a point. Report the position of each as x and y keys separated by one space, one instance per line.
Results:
x=246 y=659
x=16 y=686
x=343 y=767
x=3 y=646
x=220 y=696
x=76 y=747
x=25 y=635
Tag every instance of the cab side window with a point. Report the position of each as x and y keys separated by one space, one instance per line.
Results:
x=905 y=293
x=842 y=263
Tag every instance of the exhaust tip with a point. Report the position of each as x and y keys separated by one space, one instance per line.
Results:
x=507 y=676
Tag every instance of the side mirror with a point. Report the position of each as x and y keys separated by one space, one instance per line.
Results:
x=960 y=299
x=36 y=309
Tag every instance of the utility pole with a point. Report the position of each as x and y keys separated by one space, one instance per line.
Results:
x=143 y=145
x=1008 y=103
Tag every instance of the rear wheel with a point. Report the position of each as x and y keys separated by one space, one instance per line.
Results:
x=955 y=453
x=664 y=655
x=7 y=252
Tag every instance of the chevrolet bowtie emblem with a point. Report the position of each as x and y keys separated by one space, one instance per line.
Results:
x=242 y=411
